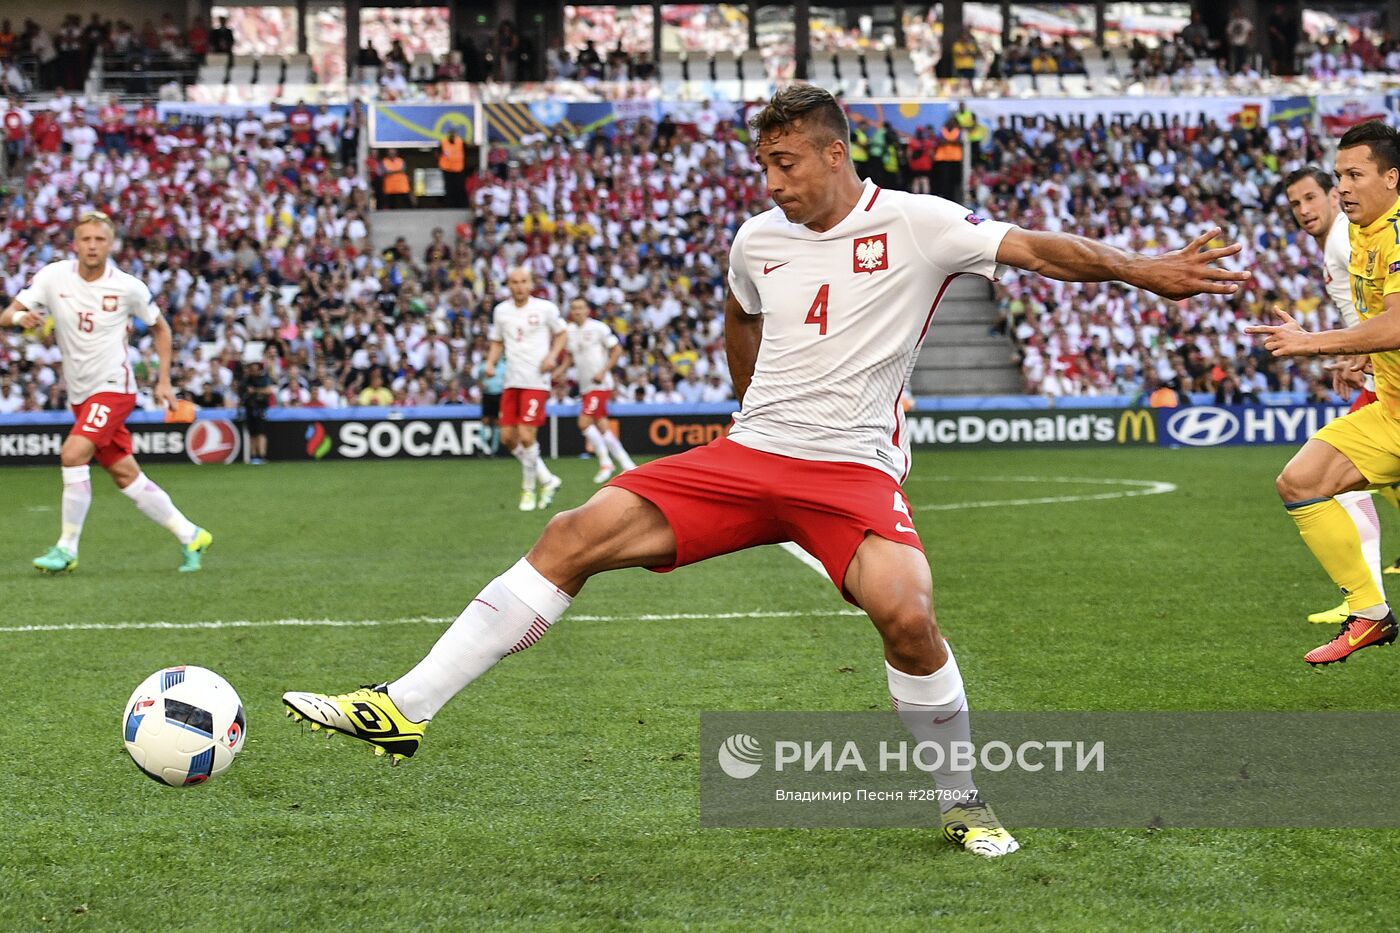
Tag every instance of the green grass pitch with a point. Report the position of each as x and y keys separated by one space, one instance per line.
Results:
x=562 y=789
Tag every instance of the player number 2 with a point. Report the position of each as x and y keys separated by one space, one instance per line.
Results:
x=817 y=313
x=532 y=408
x=85 y=321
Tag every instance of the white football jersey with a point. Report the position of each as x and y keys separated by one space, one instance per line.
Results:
x=1336 y=258
x=590 y=344
x=527 y=333
x=90 y=320
x=844 y=313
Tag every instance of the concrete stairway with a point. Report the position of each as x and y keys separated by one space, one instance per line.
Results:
x=961 y=356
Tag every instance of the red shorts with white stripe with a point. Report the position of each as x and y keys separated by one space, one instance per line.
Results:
x=725 y=497
x=595 y=404
x=523 y=406
x=1363 y=398
x=102 y=420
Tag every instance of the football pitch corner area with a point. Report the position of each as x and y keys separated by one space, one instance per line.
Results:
x=564 y=788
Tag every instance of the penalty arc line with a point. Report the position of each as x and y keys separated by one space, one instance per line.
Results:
x=1137 y=487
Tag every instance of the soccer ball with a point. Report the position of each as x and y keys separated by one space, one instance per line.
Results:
x=183 y=725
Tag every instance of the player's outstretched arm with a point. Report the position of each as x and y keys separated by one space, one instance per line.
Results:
x=743 y=332
x=1182 y=273
x=17 y=315
x=1373 y=335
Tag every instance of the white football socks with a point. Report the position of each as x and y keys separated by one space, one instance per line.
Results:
x=615 y=445
x=77 y=496
x=600 y=449
x=528 y=457
x=1362 y=509
x=541 y=468
x=934 y=709
x=509 y=615
x=155 y=504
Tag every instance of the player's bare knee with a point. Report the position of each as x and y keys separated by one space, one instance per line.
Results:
x=1293 y=488
x=566 y=549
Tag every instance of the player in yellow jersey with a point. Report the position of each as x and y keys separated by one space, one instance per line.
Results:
x=1361 y=449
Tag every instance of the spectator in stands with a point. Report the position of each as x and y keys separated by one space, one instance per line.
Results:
x=397 y=193
x=452 y=161
x=1239 y=38
x=221 y=38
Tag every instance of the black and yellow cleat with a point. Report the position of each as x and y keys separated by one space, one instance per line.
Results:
x=972 y=826
x=367 y=714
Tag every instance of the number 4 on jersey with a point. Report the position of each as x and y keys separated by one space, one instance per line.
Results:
x=817 y=313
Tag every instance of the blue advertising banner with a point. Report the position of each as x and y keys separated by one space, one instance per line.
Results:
x=1238 y=425
x=1292 y=111
x=419 y=126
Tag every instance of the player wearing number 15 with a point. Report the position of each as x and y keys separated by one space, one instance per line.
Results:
x=831 y=295
x=91 y=302
x=529 y=333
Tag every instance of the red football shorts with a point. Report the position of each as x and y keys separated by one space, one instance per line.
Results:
x=595 y=404
x=1363 y=398
x=523 y=406
x=725 y=497
x=102 y=420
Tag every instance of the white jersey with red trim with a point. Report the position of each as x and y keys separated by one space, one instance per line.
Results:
x=1336 y=260
x=90 y=320
x=590 y=344
x=844 y=313
x=527 y=332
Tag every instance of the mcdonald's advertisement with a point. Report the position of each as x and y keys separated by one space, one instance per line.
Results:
x=419 y=126
x=1190 y=426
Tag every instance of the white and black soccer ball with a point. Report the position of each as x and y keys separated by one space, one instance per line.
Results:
x=183 y=726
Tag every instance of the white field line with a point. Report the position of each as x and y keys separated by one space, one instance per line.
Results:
x=416 y=620
x=1135 y=487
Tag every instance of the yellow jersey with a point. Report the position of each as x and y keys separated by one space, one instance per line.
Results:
x=1375 y=273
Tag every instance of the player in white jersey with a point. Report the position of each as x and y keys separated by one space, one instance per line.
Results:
x=595 y=350
x=831 y=294
x=90 y=302
x=529 y=332
x=1312 y=196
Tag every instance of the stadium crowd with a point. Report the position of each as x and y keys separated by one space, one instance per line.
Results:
x=254 y=237
x=1150 y=190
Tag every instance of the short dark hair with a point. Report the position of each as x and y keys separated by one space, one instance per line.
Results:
x=1377 y=136
x=1323 y=179
x=813 y=105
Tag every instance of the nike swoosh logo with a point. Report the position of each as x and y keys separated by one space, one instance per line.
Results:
x=64 y=295
x=89 y=428
x=949 y=717
x=767 y=268
x=900 y=526
x=1353 y=642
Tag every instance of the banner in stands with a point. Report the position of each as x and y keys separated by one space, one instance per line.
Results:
x=1340 y=112
x=202 y=442
x=512 y=122
x=419 y=126
x=905 y=117
x=1248 y=112
x=180 y=111
x=1292 y=111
